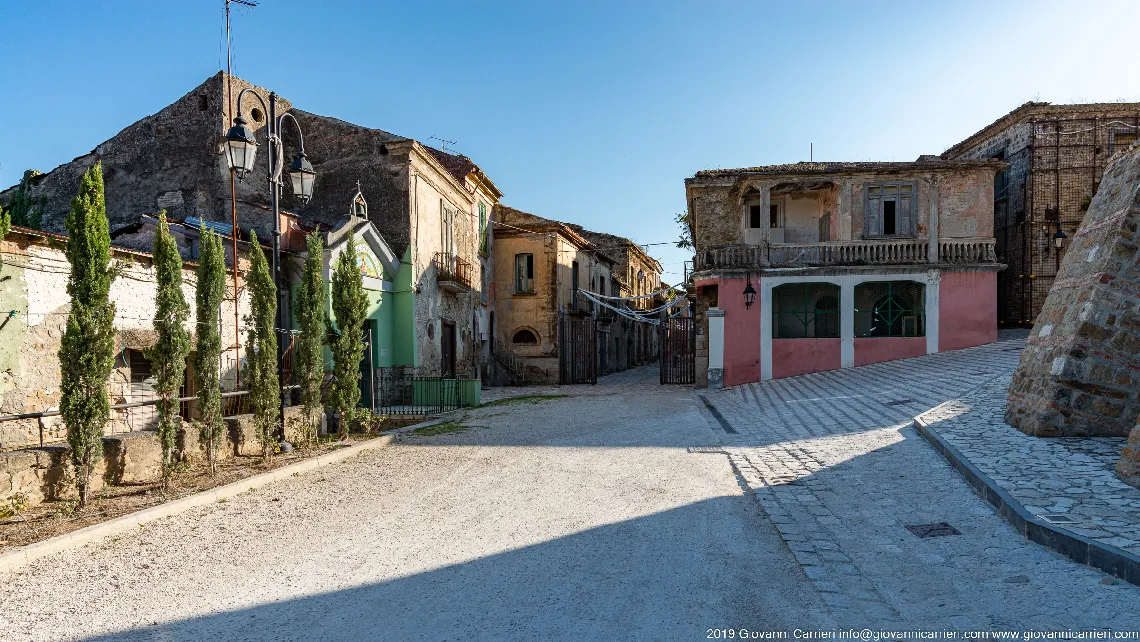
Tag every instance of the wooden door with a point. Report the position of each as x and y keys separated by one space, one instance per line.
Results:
x=447 y=349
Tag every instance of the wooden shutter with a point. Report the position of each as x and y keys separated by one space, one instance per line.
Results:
x=873 y=213
x=905 y=214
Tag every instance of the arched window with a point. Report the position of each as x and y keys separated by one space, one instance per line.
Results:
x=890 y=309
x=525 y=337
x=805 y=311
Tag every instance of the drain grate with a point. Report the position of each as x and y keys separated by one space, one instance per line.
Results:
x=924 y=531
x=1058 y=519
x=707 y=450
x=900 y=402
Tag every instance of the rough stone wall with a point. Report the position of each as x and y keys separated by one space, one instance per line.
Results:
x=1080 y=371
x=1129 y=465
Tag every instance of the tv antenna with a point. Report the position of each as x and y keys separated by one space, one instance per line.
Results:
x=444 y=142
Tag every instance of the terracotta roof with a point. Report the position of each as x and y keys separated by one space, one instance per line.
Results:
x=818 y=168
x=459 y=166
x=1039 y=109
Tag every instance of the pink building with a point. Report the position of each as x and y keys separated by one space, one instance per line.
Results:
x=819 y=266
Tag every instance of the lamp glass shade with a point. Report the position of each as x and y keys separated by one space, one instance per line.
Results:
x=302 y=177
x=241 y=147
x=1059 y=239
x=749 y=295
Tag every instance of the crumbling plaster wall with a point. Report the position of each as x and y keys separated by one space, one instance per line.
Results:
x=30 y=340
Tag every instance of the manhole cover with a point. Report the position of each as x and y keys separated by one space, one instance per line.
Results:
x=1058 y=519
x=707 y=450
x=900 y=402
x=941 y=529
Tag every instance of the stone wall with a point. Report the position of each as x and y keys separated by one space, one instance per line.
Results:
x=1080 y=371
x=1128 y=468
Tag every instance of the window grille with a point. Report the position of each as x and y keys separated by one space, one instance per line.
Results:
x=805 y=311
x=890 y=309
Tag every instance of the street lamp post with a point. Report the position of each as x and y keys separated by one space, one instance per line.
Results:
x=241 y=152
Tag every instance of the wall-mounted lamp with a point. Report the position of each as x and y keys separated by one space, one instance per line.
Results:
x=749 y=292
x=1058 y=237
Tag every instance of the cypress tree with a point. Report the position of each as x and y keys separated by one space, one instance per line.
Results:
x=261 y=346
x=307 y=355
x=86 y=353
x=172 y=345
x=5 y=225
x=350 y=305
x=208 y=302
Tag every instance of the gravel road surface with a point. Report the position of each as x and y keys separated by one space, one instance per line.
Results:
x=574 y=518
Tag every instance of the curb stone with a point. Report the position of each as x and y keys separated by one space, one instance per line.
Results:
x=21 y=556
x=1110 y=559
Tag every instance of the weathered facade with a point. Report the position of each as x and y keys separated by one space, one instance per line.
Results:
x=1057 y=155
x=622 y=342
x=540 y=266
x=851 y=264
x=426 y=203
x=1080 y=370
x=34 y=298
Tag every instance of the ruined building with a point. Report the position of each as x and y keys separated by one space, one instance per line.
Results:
x=1079 y=373
x=432 y=208
x=818 y=266
x=1056 y=155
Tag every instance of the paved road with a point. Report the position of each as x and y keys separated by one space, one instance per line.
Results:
x=577 y=518
x=836 y=466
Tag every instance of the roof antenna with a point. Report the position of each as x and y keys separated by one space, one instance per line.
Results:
x=811 y=152
x=444 y=142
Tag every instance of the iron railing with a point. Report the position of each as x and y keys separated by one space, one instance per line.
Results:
x=398 y=392
x=454 y=271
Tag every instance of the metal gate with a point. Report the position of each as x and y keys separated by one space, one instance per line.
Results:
x=678 y=351
x=577 y=350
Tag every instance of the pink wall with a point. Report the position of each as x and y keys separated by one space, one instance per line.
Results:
x=741 y=332
x=870 y=350
x=791 y=357
x=967 y=310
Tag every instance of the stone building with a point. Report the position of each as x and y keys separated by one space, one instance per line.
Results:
x=35 y=306
x=1079 y=373
x=850 y=264
x=432 y=208
x=540 y=267
x=624 y=343
x=1056 y=155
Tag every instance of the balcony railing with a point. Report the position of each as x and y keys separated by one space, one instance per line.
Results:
x=846 y=253
x=454 y=273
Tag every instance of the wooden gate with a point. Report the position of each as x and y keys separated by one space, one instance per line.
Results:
x=577 y=349
x=678 y=351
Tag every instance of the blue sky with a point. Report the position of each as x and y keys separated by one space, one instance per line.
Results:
x=587 y=112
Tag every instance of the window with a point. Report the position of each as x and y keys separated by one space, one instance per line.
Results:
x=890 y=309
x=139 y=365
x=482 y=227
x=525 y=337
x=524 y=273
x=1119 y=141
x=805 y=311
x=574 y=284
x=889 y=210
x=755 y=216
x=774 y=215
x=447 y=228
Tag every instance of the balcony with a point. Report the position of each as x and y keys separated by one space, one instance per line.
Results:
x=846 y=253
x=453 y=273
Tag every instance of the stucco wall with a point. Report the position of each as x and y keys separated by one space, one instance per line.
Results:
x=792 y=357
x=741 y=332
x=870 y=350
x=967 y=309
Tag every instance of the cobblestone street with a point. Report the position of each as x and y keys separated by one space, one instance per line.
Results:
x=837 y=467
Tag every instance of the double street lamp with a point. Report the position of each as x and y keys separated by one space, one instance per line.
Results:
x=241 y=153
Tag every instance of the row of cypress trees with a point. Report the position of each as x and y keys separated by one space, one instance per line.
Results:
x=87 y=349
